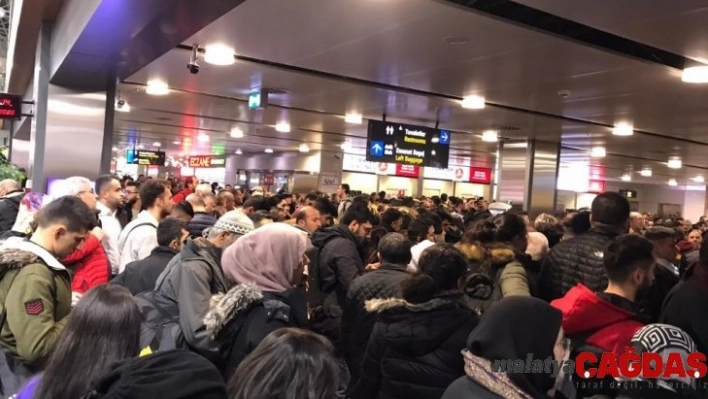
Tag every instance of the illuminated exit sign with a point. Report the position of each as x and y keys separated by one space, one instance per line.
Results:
x=258 y=99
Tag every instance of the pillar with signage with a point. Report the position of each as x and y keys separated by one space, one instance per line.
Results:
x=528 y=171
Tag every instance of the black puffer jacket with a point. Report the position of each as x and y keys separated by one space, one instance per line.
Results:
x=240 y=319
x=414 y=350
x=357 y=323
x=9 y=207
x=199 y=222
x=578 y=260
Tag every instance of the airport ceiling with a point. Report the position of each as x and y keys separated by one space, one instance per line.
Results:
x=548 y=71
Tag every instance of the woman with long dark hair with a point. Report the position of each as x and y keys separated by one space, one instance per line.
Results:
x=289 y=363
x=104 y=328
x=414 y=349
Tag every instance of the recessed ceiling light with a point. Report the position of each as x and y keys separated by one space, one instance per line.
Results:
x=237 y=133
x=122 y=108
x=645 y=173
x=490 y=136
x=345 y=145
x=699 y=179
x=156 y=144
x=176 y=142
x=157 y=88
x=674 y=163
x=203 y=138
x=626 y=177
x=268 y=150
x=115 y=149
x=219 y=54
x=304 y=148
x=673 y=182
x=353 y=118
x=698 y=74
x=457 y=40
x=473 y=102
x=140 y=146
x=283 y=127
x=238 y=151
x=598 y=152
x=623 y=129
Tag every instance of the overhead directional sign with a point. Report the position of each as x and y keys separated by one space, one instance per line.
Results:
x=408 y=144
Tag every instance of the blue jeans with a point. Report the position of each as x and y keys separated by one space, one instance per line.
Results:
x=344 y=378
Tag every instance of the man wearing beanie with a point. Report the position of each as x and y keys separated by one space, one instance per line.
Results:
x=194 y=275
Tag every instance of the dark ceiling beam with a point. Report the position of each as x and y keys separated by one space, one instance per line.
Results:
x=124 y=36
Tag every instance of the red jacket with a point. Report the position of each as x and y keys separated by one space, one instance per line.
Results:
x=90 y=265
x=181 y=196
x=584 y=311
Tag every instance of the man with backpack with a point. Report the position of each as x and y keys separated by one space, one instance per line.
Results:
x=139 y=237
x=35 y=288
x=184 y=289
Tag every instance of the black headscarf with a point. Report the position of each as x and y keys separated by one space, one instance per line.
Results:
x=513 y=328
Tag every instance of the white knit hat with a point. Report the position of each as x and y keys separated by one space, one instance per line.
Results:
x=236 y=222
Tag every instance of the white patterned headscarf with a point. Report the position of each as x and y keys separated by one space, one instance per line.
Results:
x=665 y=339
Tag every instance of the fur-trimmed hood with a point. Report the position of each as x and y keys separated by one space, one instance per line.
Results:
x=417 y=329
x=495 y=253
x=16 y=253
x=224 y=307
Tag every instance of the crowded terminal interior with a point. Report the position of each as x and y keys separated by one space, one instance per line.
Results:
x=353 y=199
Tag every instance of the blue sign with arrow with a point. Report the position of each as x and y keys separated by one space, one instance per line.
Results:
x=444 y=137
x=377 y=148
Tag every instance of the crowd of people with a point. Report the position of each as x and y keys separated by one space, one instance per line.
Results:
x=174 y=289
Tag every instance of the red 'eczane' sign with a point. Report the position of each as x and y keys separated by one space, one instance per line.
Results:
x=407 y=171
x=596 y=187
x=480 y=175
x=268 y=179
x=10 y=106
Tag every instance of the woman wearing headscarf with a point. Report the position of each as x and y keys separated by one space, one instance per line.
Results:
x=511 y=330
x=267 y=266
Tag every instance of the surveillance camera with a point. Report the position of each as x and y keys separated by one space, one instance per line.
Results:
x=193 y=68
x=120 y=103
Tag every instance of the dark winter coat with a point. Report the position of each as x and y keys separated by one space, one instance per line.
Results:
x=199 y=223
x=650 y=304
x=578 y=260
x=684 y=308
x=9 y=207
x=357 y=323
x=141 y=275
x=415 y=349
x=239 y=320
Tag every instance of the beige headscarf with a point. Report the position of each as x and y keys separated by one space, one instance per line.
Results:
x=267 y=257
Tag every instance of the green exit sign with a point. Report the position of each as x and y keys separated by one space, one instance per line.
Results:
x=258 y=99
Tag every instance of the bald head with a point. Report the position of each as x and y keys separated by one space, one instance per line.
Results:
x=196 y=201
x=308 y=218
x=9 y=185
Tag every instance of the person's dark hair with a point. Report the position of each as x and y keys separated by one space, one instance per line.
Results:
x=258 y=203
x=311 y=197
x=346 y=189
x=382 y=195
x=440 y=268
x=259 y=216
x=444 y=216
x=288 y=364
x=436 y=200
x=325 y=207
x=69 y=211
x=170 y=229
x=443 y=197
x=390 y=215
x=418 y=228
x=102 y=183
x=185 y=207
x=150 y=192
x=703 y=251
x=358 y=212
x=580 y=223
x=553 y=232
x=660 y=233
x=395 y=248
x=104 y=328
x=625 y=254
x=610 y=208
x=500 y=228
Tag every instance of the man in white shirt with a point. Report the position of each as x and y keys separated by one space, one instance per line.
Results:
x=139 y=237
x=110 y=198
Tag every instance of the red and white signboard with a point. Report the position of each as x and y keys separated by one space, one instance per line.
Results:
x=412 y=171
x=480 y=175
x=453 y=173
x=268 y=179
x=596 y=187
